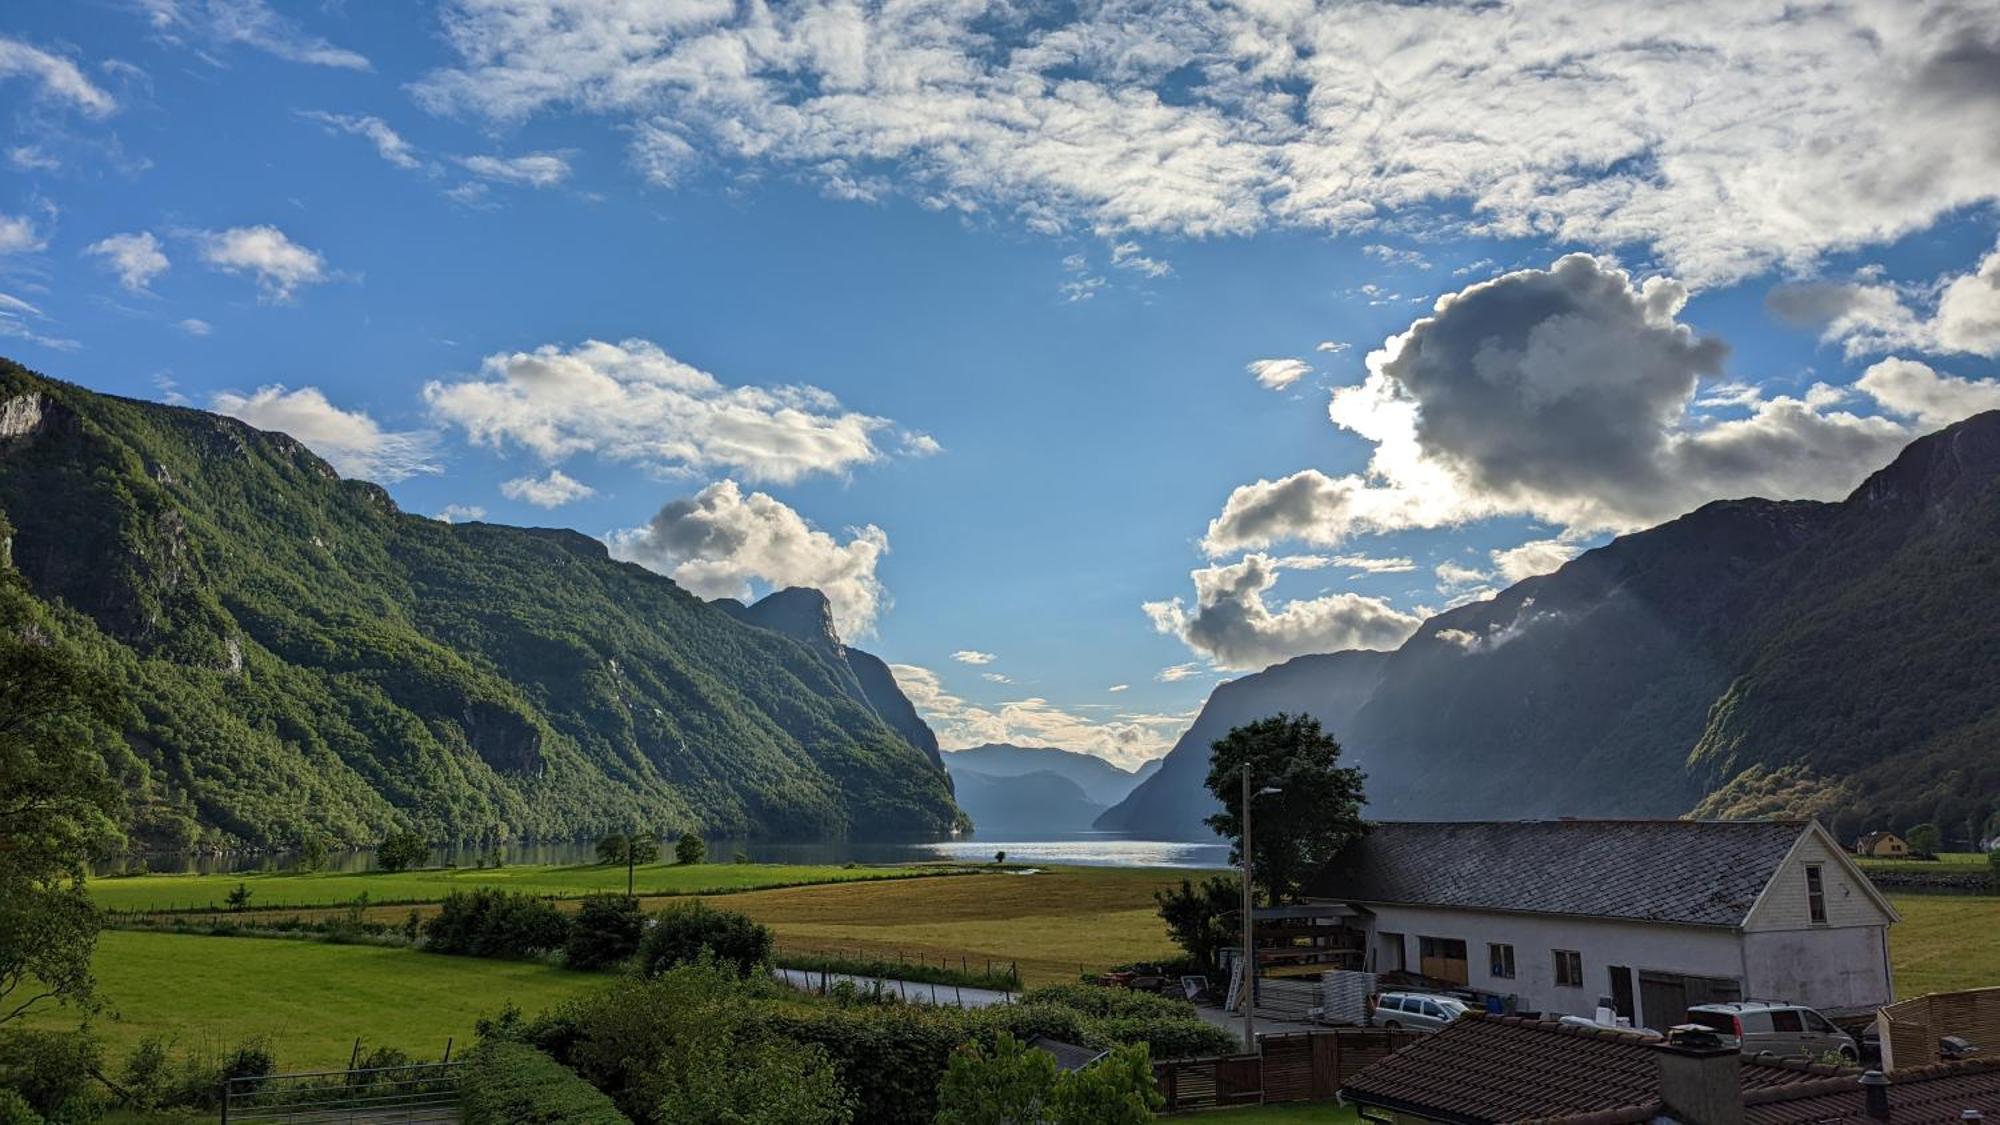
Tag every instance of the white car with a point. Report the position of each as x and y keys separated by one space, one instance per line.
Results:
x=1417 y=1011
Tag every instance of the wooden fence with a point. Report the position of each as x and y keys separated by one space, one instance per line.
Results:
x=1299 y=1067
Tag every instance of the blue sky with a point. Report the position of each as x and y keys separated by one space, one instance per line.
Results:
x=953 y=310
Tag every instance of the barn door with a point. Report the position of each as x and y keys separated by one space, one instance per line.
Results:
x=1664 y=998
x=1621 y=990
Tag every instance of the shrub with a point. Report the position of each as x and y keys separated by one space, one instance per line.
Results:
x=690 y=849
x=508 y=1083
x=606 y=931
x=54 y=1072
x=687 y=932
x=153 y=1078
x=15 y=1110
x=1013 y=1082
x=493 y=923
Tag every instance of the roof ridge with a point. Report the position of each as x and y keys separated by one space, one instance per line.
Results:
x=1595 y=1031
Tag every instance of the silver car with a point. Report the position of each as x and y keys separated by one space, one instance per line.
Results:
x=1788 y=1031
x=1417 y=1011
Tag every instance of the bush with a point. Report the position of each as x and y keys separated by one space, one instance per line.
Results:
x=690 y=849
x=606 y=931
x=15 y=1110
x=687 y=932
x=493 y=923
x=400 y=851
x=54 y=1072
x=506 y=1083
x=153 y=1078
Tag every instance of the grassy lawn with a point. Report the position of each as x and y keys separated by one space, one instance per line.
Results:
x=311 y=998
x=1300 y=1113
x=1945 y=943
x=1945 y=862
x=203 y=892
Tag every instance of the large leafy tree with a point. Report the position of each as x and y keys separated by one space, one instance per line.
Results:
x=58 y=809
x=1314 y=814
x=1201 y=919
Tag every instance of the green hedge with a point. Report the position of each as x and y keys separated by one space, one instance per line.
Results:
x=513 y=1084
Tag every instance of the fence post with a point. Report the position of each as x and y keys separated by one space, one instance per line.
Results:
x=225 y=1101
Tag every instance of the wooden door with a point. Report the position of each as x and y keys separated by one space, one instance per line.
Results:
x=1443 y=959
x=1621 y=990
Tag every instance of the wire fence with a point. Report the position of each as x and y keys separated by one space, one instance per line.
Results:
x=412 y=1094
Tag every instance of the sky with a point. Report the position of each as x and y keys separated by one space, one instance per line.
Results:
x=1085 y=355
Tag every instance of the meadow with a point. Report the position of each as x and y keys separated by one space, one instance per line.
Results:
x=140 y=893
x=1946 y=862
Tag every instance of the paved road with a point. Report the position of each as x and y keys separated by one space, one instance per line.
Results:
x=915 y=992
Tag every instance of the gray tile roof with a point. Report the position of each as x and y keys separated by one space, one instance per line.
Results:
x=1691 y=872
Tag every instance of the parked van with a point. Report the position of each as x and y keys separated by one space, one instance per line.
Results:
x=1417 y=1011
x=1788 y=1031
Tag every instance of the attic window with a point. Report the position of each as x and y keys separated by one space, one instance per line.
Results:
x=1815 y=894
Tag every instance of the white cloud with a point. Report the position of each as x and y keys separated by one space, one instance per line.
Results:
x=1334 y=347
x=31 y=158
x=279 y=264
x=722 y=543
x=1537 y=556
x=973 y=656
x=1563 y=395
x=535 y=169
x=1817 y=127
x=56 y=78
x=633 y=402
x=18 y=318
x=1453 y=576
x=389 y=144
x=1116 y=688
x=19 y=236
x=1968 y=312
x=136 y=258
x=195 y=327
x=249 y=23
x=1868 y=316
x=1130 y=256
x=1393 y=256
x=996 y=677
x=1912 y=389
x=1277 y=374
x=1175 y=673
x=552 y=491
x=352 y=441
x=1371 y=564
x=461 y=513
x=1126 y=739
x=1233 y=626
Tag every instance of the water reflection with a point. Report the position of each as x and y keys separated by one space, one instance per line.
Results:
x=1096 y=849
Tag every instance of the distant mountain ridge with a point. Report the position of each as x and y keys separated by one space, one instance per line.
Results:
x=300 y=657
x=1101 y=781
x=1754 y=657
x=1037 y=804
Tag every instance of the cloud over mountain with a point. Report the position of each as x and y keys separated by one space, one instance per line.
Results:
x=1234 y=626
x=351 y=440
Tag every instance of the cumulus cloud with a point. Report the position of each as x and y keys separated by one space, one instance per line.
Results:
x=56 y=78
x=352 y=441
x=1277 y=374
x=973 y=656
x=1233 y=626
x=195 y=327
x=1562 y=394
x=1537 y=556
x=1453 y=575
x=1127 y=739
x=461 y=513
x=280 y=265
x=535 y=169
x=1868 y=316
x=136 y=258
x=20 y=235
x=1818 y=127
x=248 y=23
x=389 y=144
x=724 y=543
x=631 y=401
x=1933 y=398
x=552 y=491
x=1968 y=312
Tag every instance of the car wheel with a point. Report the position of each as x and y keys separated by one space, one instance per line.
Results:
x=1392 y=1025
x=1850 y=1056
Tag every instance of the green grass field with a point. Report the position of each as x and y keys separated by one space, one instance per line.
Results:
x=1945 y=943
x=1946 y=862
x=327 y=889
x=313 y=999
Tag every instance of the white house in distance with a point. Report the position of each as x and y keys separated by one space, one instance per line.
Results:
x=1654 y=915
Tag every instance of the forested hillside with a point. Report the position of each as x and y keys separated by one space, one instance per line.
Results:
x=301 y=657
x=1754 y=657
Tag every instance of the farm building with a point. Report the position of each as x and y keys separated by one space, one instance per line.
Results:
x=1882 y=845
x=1647 y=917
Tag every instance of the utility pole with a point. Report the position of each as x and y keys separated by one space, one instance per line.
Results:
x=631 y=861
x=1249 y=943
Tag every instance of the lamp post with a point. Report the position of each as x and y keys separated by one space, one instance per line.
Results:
x=1249 y=941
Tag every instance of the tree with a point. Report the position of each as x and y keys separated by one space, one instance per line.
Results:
x=606 y=931
x=58 y=809
x=1294 y=832
x=1202 y=919
x=644 y=848
x=400 y=851
x=1118 y=1089
x=689 y=932
x=611 y=849
x=1925 y=840
x=691 y=849
x=239 y=897
x=999 y=857
x=312 y=852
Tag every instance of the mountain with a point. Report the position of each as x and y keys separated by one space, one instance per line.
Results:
x=1033 y=804
x=300 y=656
x=1101 y=781
x=1171 y=802
x=1754 y=657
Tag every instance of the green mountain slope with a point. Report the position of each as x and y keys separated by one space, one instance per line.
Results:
x=302 y=656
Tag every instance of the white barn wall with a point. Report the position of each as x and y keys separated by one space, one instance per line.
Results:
x=1825 y=968
x=1691 y=950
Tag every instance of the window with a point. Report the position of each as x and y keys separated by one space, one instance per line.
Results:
x=1815 y=894
x=1434 y=1010
x=1501 y=958
x=1818 y=1023
x=1787 y=1021
x=1569 y=968
x=1390 y=1004
x=1442 y=959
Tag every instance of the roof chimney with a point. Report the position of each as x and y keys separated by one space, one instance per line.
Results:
x=1699 y=1083
x=1876 y=1089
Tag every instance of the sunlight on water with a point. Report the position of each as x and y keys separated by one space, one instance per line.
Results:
x=1091 y=852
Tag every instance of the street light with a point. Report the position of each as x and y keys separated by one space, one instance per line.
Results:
x=1249 y=943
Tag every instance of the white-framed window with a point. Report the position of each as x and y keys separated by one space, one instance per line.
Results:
x=1569 y=968
x=1816 y=894
x=1500 y=958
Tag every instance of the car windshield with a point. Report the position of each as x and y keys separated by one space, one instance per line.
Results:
x=1718 y=1021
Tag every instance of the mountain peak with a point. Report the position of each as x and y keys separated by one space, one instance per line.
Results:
x=1938 y=467
x=800 y=612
